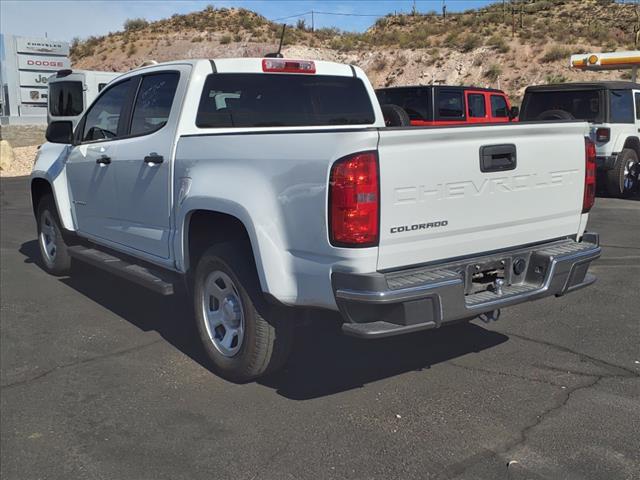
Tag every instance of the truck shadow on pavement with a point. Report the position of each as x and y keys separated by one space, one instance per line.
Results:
x=323 y=361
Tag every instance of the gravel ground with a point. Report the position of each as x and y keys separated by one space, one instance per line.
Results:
x=22 y=163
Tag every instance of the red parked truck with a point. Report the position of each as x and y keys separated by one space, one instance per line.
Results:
x=449 y=105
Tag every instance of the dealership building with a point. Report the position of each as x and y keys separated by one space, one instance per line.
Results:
x=27 y=63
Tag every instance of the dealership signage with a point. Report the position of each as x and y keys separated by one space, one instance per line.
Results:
x=29 y=64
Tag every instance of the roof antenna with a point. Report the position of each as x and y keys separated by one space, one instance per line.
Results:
x=278 y=54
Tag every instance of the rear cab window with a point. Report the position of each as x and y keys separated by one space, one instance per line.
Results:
x=416 y=101
x=66 y=99
x=637 y=105
x=621 y=106
x=579 y=104
x=283 y=100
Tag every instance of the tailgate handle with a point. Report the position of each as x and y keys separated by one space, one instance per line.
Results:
x=498 y=158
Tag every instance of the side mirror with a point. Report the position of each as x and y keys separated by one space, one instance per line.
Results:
x=514 y=112
x=60 y=132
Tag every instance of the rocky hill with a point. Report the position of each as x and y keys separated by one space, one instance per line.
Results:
x=508 y=44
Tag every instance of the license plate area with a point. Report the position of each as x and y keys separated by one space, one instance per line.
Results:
x=482 y=276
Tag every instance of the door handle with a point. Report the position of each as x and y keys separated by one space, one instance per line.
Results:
x=498 y=158
x=153 y=158
x=103 y=160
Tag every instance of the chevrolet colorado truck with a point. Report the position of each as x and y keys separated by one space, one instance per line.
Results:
x=613 y=111
x=267 y=186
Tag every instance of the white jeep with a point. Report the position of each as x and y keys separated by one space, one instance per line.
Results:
x=613 y=111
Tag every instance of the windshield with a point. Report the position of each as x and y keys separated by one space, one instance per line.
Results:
x=277 y=100
x=562 y=104
x=65 y=99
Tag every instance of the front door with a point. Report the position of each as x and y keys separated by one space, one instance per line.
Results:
x=90 y=174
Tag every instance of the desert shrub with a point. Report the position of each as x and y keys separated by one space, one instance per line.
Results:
x=379 y=63
x=555 y=53
x=493 y=72
x=469 y=41
x=553 y=78
x=132 y=50
x=225 y=39
x=498 y=43
x=135 y=24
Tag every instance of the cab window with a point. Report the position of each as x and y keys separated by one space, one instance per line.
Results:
x=499 y=106
x=102 y=121
x=638 y=106
x=477 y=107
x=153 y=102
x=621 y=103
x=450 y=104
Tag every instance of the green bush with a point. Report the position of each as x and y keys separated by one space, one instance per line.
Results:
x=497 y=42
x=469 y=41
x=135 y=24
x=225 y=39
x=555 y=54
x=493 y=72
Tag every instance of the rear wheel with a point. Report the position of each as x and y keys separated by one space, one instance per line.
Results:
x=623 y=178
x=53 y=249
x=243 y=335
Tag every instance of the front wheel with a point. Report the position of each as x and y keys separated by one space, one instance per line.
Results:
x=243 y=335
x=53 y=249
x=623 y=178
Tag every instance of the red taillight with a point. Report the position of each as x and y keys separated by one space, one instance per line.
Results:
x=280 y=65
x=589 y=175
x=354 y=201
x=603 y=135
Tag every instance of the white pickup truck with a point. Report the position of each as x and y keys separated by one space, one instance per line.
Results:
x=268 y=184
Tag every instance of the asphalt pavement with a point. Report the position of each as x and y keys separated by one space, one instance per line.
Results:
x=101 y=379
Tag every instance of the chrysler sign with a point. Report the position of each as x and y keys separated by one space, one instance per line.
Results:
x=41 y=45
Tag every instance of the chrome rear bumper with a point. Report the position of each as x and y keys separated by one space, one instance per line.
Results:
x=384 y=304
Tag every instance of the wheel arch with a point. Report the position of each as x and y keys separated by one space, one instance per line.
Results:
x=39 y=188
x=633 y=143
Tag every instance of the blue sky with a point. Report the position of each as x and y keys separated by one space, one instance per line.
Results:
x=63 y=20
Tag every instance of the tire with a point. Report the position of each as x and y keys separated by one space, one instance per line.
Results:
x=53 y=248
x=243 y=335
x=622 y=180
x=555 y=115
x=395 y=116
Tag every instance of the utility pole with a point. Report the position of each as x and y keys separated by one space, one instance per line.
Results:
x=312 y=24
x=444 y=9
x=521 y=20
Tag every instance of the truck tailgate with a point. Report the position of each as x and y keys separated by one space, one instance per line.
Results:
x=437 y=202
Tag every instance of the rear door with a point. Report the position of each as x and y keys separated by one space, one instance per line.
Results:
x=477 y=111
x=144 y=162
x=447 y=193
